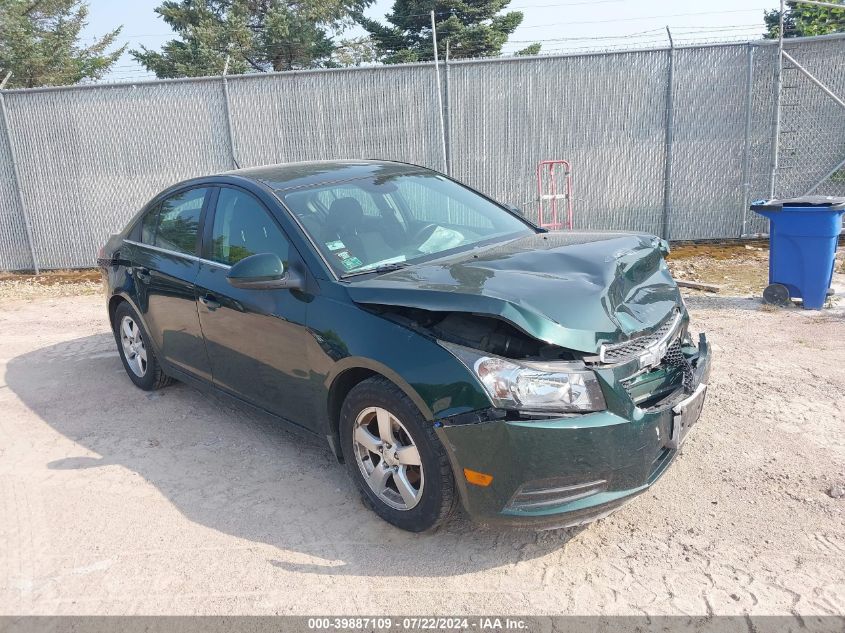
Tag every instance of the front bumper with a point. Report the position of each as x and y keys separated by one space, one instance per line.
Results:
x=601 y=460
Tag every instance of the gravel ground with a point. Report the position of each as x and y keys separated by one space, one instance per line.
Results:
x=51 y=283
x=737 y=268
x=117 y=501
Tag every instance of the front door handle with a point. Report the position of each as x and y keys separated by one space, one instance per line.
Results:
x=210 y=302
x=143 y=274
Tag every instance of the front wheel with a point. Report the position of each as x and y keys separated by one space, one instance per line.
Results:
x=394 y=457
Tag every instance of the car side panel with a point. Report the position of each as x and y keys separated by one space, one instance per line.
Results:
x=165 y=295
x=256 y=342
x=340 y=336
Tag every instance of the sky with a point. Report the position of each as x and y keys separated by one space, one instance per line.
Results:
x=560 y=25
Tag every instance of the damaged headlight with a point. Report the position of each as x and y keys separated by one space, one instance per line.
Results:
x=530 y=386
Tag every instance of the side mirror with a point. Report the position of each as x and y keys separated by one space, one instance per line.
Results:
x=514 y=209
x=264 y=271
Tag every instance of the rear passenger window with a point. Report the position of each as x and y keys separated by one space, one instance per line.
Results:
x=148 y=226
x=242 y=227
x=178 y=221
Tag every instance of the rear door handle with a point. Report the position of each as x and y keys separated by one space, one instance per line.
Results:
x=210 y=302
x=143 y=274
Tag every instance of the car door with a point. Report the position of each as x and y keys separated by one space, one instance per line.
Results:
x=256 y=339
x=165 y=264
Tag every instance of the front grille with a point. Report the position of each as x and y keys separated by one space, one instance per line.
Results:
x=675 y=358
x=663 y=385
x=629 y=350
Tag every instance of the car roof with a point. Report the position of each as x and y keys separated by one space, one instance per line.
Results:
x=287 y=176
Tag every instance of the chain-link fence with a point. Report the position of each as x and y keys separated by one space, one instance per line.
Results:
x=675 y=142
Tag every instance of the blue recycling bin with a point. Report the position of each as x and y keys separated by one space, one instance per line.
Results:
x=803 y=236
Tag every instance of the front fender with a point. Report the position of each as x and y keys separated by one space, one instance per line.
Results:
x=347 y=337
x=359 y=362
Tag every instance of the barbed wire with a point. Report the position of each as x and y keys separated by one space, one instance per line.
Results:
x=684 y=35
x=651 y=42
x=644 y=17
x=173 y=34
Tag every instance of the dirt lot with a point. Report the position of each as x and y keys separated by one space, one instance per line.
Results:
x=737 y=268
x=113 y=500
x=53 y=283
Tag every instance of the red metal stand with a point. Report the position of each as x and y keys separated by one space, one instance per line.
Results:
x=547 y=167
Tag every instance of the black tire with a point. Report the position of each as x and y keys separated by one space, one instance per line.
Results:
x=154 y=376
x=777 y=294
x=437 y=499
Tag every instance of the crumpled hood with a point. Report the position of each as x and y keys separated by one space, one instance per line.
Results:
x=572 y=289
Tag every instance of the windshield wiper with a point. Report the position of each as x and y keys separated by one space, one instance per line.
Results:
x=384 y=268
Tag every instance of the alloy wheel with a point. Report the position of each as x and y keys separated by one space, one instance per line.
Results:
x=388 y=458
x=133 y=346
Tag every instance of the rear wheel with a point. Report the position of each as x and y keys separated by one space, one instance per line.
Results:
x=139 y=359
x=395 y=458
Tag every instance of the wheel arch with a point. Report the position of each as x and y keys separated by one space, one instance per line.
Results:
x=351 y=372
x=114 y=302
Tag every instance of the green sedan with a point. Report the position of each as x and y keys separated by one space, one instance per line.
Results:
x=445 y=347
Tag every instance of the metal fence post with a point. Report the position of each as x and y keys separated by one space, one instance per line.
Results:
x=439 y=94
x=447 y=106
x=746 y=152
x=227 y=106
x=670 y=137
x=777 y=113
x=17 y=183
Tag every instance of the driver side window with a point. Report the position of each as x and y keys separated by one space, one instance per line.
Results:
x=243 y=227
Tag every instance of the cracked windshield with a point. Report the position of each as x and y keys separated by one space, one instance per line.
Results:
x=384 y=222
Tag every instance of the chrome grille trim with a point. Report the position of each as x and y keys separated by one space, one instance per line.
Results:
x=650 y=348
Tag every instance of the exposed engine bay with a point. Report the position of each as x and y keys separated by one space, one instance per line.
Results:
x=484 y=333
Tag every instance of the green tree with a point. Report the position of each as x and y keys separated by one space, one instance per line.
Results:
x=531 y=49
x=40 y=44
x=474 y=28
x=355 y=51
x=257 y=35
x=800 y=20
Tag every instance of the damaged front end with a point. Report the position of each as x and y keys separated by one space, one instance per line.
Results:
x=574 y=291
x=582 y=347
x=527 y=377
x=613 y=431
